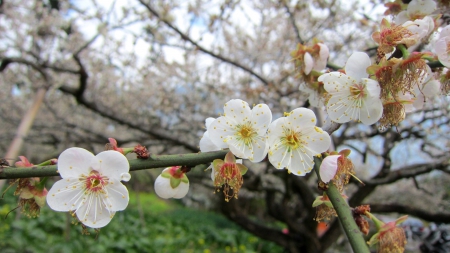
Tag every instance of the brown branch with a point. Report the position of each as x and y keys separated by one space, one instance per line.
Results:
x=422 y=214
x=199 y=47
x=408 y=172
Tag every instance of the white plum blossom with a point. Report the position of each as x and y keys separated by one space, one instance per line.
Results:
x=90 y=186
x=417 y=9
x=294 y=140
x=206 y=145
x=242 y=129
x=426 y=89
x=442 y=46
x=172 y=183
x=353 y=95
x=420 y=28
x=328 y=168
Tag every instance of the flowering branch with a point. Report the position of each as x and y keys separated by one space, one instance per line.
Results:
x=344 y=215
x=154 y=161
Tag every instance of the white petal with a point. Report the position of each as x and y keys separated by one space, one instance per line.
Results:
x=336 y=83
x=357 y=64
x=445 y=32
x=117 y=196
x=308 y=63
x=371 y=110
x=275 y=131
x=419 y=101
x=75 y=161
x=239 y=149
x=237 y=110
x=401 y=18
x=181 y=190
x=372 y=86
x=421 y=7
x=112 y=164
x=64 y=193
x=261 y=118
x=432 y=88
x=208 y=122
x=279 y=156
x=301 y=118
x=93 y=213
x=163 y=188
x=328 y=168
x=125 y=177
x=321 y=63
x=316 y=140
x=340 y=109
x=219 y=130
x=260 y=149
x=206 y=145
x=301 y=162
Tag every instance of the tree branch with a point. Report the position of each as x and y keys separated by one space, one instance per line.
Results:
x=199 y=47
x=154 y=161
x=422 y=214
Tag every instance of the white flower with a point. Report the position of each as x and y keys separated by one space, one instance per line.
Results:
x=328 y=168
x=294 y=140
x=91 y=185
x=353 y=95
x=442 y=46
x=426 y=89
x=420 y=28
x=172 y=183
x=242 y=130
x=416 y=9
x=206 y=144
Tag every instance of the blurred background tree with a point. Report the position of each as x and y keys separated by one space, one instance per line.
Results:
x=151 y=72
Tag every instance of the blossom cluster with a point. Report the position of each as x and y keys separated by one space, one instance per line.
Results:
x=291 y=142
x=399 y=81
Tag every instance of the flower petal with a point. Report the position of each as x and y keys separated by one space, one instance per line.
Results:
x=112 y=164
x=237 y=110
x=239 y=148
x=260 y=149
x=93 y=213
x=73 y=162
x=206 y=145
x=308 y=63
x=357 y=64
x=64 y=194
x=328 y=168
x=117 y=197
x=279 y=156
x=181 y=191
x=208 y=122
x=315 y=140
x=219 y=130
x=261 y=118
x=163 y=188
x=371 y=111
x=301 y=162
x=301 y=118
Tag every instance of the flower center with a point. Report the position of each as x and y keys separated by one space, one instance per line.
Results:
x=357 y=90
x=245 y=133
x=292 y=139
x=95 y=182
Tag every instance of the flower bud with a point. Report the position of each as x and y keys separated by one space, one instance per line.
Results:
x=172 y=183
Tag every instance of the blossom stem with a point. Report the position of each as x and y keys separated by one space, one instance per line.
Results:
x=154 y=161
x=404 y=50
x=345 y=216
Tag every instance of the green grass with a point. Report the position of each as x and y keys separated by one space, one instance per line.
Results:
x=154 y=225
